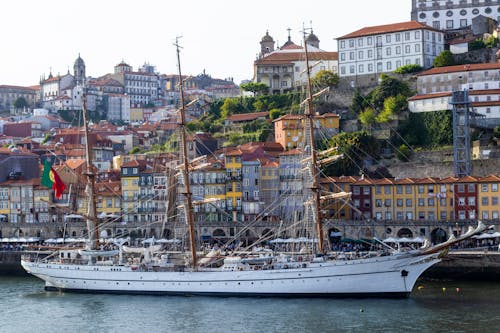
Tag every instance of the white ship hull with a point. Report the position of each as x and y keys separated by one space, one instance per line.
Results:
x=390 y=276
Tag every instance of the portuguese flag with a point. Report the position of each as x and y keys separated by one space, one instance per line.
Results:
x=51 y=179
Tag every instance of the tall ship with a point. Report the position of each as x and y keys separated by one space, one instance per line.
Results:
x=314 y=273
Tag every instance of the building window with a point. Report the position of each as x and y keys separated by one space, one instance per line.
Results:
x=370 y=53
x=436 y=24
x=388 y=38
x=351 y=42
x=484 y=201
x=408 y=202
x=370 y=67
x=369 y=41
x=417 y=48
x=360 y=41
x=360 y=55
x=351 y=69
x=407 y=49
x=449 y=24
x=342 y=56
x=463 y=23
x=351 y=55
x=398 y=49
x=407 y=36
x=342 y=44
x=361 y=69
x=388 y=51
x=389 y=65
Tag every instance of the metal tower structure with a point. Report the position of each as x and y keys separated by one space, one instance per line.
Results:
x=461 y=133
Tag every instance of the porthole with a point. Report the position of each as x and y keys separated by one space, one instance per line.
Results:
x=488 y=10
x=449 y=13
x=475 y=11
x=435 y=14
x=422 y=16
x=463 y=12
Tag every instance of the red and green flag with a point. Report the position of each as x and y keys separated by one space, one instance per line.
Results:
x=51 y=179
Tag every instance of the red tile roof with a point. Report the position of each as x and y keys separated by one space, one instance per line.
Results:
x=460 y=68
x=248 y=116
x=278 y=57
x=388 y=28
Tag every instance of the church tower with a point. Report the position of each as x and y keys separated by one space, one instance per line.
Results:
x=266 y=44
x=79 y=70
x=312 y=40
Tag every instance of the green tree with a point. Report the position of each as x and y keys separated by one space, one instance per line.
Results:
x=410 y=68
x=476 y=44
x=355 y=147
x=367 y=117
x=229 y=107
x=445 y=58
x=395 y=104
x=491 y=42
x=276 y=113
x=255 y=87
x=324 y=79
x=21 y=103
x=403 y=153
x=389 y=86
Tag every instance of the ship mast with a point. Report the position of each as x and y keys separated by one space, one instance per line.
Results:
x=309 y=126
x=185 y=163
x=92 y=222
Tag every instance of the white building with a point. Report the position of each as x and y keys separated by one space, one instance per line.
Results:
x=384 y=48
x=453 y=14
x=142 y=87
x=435 y=86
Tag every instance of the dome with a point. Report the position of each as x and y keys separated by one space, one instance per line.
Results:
x=79 y=61
x=267 y=38
x=312 y=38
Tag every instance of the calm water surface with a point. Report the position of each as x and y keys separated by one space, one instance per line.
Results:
x=26 y=307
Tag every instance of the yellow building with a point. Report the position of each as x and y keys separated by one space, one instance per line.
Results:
x=289 y=129
x=383 y=199
x=339 y=209
x=108 y=200
x=130 y=189
x=234 y=182
x=488 y=207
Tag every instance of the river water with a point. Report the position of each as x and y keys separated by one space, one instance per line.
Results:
x=432 y=307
